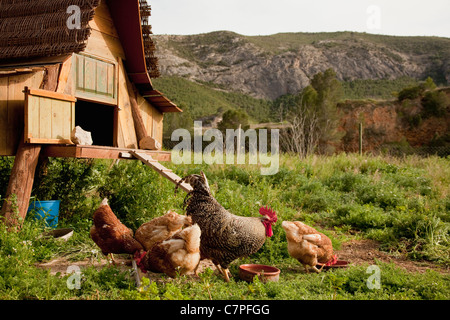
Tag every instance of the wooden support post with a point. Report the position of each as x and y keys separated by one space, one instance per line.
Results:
x=144 y=140
x=14 y=209
x=18 y=193
x=360 y=138
x=141 y=132
x=50 y=81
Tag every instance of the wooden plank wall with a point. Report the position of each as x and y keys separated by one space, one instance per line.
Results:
x=104 y=40
x=12 y=101
x=153 y=119
x=103 y=43
x=126 y=135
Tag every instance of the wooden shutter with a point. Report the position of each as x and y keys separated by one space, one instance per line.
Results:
x=49 y=116
x=95 y=79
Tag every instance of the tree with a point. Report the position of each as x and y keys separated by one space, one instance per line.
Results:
x=314 y=121
x=429 y=84
x=302 y=134
x=435 y=103
x=231 y=119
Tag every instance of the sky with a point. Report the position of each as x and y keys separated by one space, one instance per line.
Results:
x=264 y=17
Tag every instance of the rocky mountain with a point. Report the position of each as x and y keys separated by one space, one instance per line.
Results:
x=270 y=66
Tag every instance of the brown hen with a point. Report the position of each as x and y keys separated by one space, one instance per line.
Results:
x=110 y=234
x=161 y=228
x=307 y=245
x=179 y=254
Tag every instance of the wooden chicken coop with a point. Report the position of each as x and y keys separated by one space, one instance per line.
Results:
x=69 y=63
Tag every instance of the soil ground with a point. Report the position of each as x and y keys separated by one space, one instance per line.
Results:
x=355 y=251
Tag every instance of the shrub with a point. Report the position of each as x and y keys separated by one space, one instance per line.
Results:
x=71 y=181
x=6 y=164
x=410 y=93
x=136 y=193
x=435 y=103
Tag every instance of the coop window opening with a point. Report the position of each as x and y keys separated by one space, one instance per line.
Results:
x=99 y=119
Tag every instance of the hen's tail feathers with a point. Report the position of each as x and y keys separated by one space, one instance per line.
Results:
x=104 y=202
x=197 y=182
x=192 y=237
x=314 y=238
x=205 y=180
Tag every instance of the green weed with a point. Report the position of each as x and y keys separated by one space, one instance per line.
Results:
x=402 y=203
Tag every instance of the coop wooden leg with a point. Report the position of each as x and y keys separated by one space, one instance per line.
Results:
x=137 y=275
x=18 y=193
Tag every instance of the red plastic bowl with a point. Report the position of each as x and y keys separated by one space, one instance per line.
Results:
x=337 y=265
x=264 y=273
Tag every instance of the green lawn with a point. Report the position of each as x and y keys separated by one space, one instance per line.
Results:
x=403 y=203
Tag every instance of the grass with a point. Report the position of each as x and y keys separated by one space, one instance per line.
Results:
x=403 y=203
x=376 y=88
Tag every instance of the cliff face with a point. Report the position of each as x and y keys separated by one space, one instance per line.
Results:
x=389 y=122
x=270 y=66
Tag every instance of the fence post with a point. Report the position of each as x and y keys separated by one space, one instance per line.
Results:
x=360 y=138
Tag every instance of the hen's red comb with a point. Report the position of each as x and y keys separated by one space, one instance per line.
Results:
x=266 y=211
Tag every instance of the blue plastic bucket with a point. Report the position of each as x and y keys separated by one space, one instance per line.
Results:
x=48 y=210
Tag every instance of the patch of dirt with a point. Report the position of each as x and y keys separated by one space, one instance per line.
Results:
x=356 y=252
x=61 y=265
x=367 y=251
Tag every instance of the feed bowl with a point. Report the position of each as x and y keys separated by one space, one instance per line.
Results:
x=264 y=273
x=64 y=234
x=339 y=264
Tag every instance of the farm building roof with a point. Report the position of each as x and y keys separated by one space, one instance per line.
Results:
x=32 y=29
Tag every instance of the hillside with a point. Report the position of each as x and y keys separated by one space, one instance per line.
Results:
x=270 y=66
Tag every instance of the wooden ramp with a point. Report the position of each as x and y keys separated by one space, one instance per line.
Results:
x=158 y=167
x=166 y=173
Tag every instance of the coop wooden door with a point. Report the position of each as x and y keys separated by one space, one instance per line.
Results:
x=49 y=116
x=95 y=79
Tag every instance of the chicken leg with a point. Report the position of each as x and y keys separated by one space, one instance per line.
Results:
x=111 y=259
x=313 y=267
x=225 y=272
x=196 y=268
x=317 y=270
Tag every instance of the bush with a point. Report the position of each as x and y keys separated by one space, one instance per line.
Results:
x=410 y=93
x=6 y=164
x=73 y=181
x=137 y=193
x=435 y=103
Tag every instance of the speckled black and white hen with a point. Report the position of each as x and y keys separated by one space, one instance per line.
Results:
x=225 y=236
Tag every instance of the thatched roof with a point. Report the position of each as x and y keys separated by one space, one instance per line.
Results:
x=149 y=45
x=32 y=28
x=38 y=28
